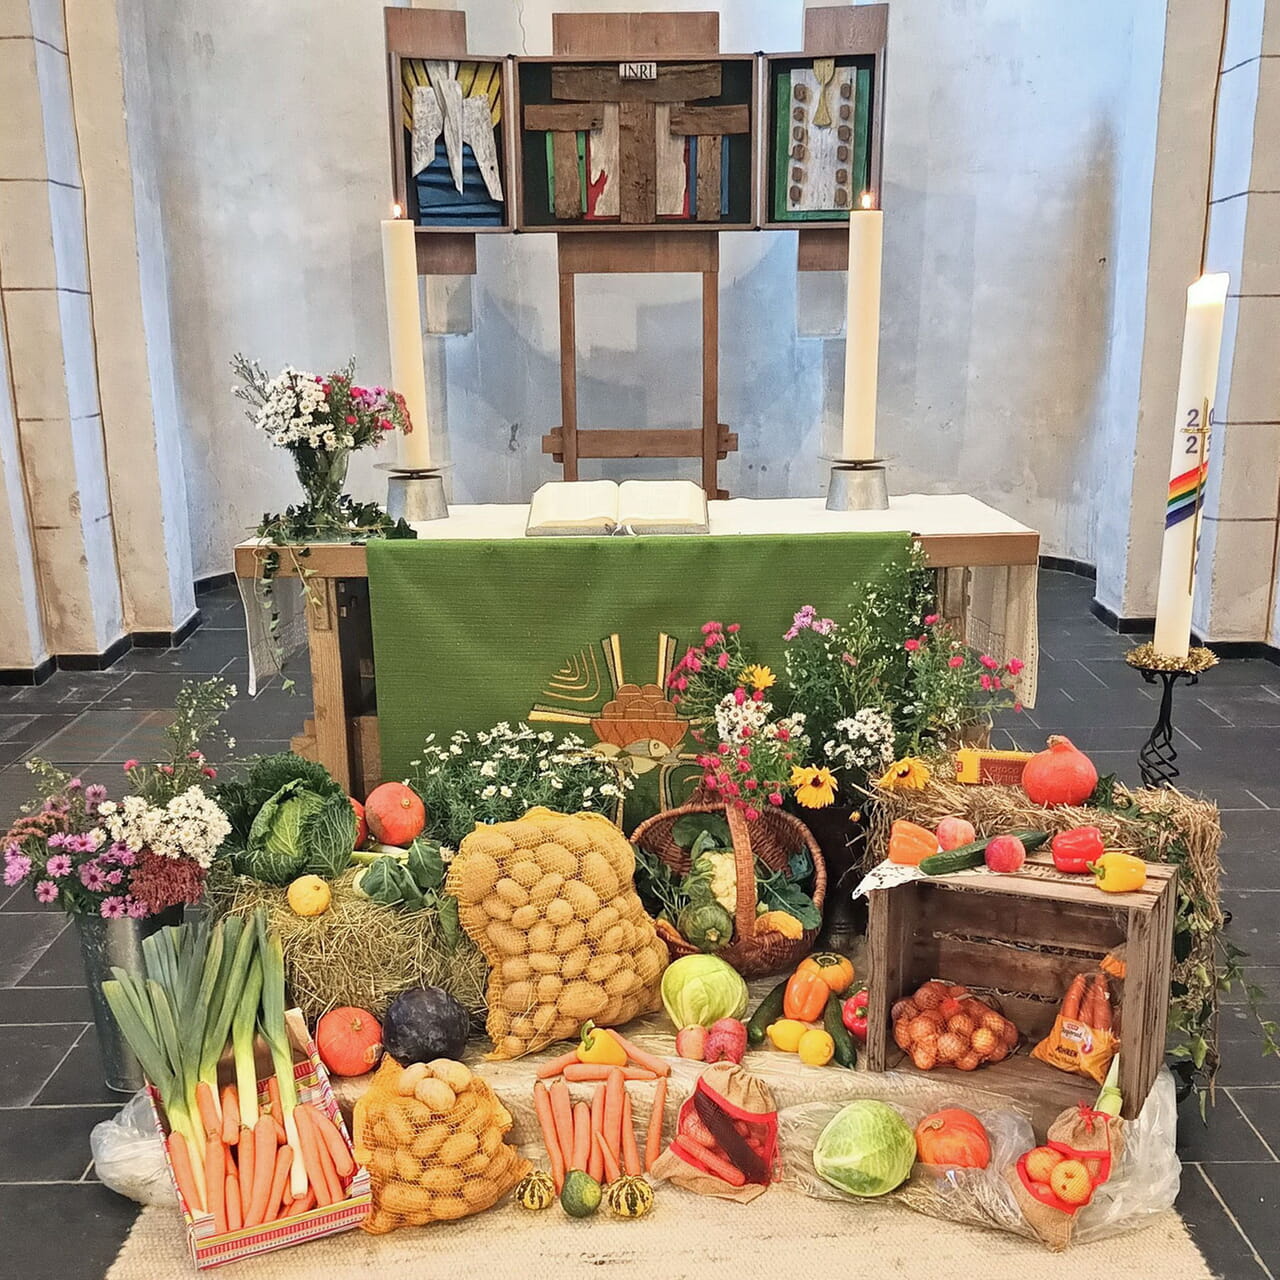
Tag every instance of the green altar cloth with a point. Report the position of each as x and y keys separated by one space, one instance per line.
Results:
x=547 y=630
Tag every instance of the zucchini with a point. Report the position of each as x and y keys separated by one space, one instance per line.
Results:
x=846 y=1054
x=768 y=1011
x=973 y=855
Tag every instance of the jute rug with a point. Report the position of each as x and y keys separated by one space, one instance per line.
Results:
x=782 y=1234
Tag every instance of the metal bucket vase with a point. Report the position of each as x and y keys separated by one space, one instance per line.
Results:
x=107 y=945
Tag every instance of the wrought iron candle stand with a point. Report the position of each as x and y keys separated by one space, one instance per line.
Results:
x=1156 y=760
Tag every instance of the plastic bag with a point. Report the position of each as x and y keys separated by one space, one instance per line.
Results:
x=1081 y=1039
x=551 y=901
x=432 y=1140
x=128 y=1153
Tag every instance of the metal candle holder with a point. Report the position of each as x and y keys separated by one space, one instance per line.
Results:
x=858 y=484
x=415 y=495
x=1156 y=760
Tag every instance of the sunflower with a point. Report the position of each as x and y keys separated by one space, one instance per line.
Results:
x=815 y=788
x=908 y=774
x=759 y=677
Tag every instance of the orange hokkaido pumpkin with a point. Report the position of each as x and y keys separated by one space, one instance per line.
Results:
x=349 y=1041
x=395 y=814
x=362 y=827
x=1060 y=774
x=953 y=1138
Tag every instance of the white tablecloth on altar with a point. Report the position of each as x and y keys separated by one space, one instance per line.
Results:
x=998 y=611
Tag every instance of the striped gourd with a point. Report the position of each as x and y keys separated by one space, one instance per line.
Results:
x=629 y=1197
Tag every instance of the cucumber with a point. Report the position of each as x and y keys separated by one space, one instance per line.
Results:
x=846 y=1054
x=768 y=1011
x=973 y=855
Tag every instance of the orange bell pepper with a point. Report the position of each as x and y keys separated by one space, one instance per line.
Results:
x=910 y=844
x=806 y=996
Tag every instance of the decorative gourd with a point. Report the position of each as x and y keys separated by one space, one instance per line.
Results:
x=580 y=1196
x=782 y=922
x=395 y=814
x=349 y=1041
x=707 y=925
x=628 y=1197
x=1060 y=774
x=536 y=1191
x=953 y=1138
x=909 y=844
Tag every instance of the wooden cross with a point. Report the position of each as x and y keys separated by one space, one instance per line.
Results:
x=584 y=91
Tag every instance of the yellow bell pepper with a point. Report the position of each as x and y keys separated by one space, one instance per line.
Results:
x=816 y=1048
x=1119 y=872
x=599 y=1048
x=786 y=1034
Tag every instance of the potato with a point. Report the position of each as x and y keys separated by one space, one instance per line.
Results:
x=584 y=900
x=620 y=983
x=399 y=1122
x=542 y=962
x=441 y=1178
x=544 y=1017
x=548 y=987
x=511 y=892
x=559 y=911
x=515 y=968
x=498 y=1022
x=570 y=935
x=575 y=963
x=469 y=1100
x=601 y=922
x=410 y=1078
x=454 y=1074
x=648 y=965
x=526 y=872
x=427 y=1143
x=496 y=908
x=508 y=941
x=449 y=1208
x=600 y=967
x=379 y=1222
x=555 y=857
x=407 y=1168
x=473 y=872
x=525 y=917
x=436 y=1096
x=546 y=890
x=382 y=1163
x=613 y=940
x=478 y=1163
x=490 y=1143
x=597 y=872
x=542 y=936
x=509 y=1047
x=524 y=1027
x=423 y=1218
x=479 y=1193
x=582 y=1000
x=458 y=1147
x=517 y=997
x=380 y=1133
x=576 y=836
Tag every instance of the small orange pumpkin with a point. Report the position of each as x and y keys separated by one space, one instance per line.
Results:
x=395 y=814
x=953 y=1138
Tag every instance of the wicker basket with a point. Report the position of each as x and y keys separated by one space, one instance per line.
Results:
x=772 y=837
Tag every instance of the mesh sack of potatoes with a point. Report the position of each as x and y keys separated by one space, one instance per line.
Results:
x=551 y=902
x=431 y=1136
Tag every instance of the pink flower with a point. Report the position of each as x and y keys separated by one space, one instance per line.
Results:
x=682 y=684
x=712 y=640
x=16 y=867
x=722 y=661
x=731 y=788
x=911 y=645
x=209 y=771
x=988 y=661
x=113 y=908
x=747 y=731
x=94 y=794
x=824 y=626
x=166 y=769
x=744 y=751
x=930 y=619
x=848 y=659
x=751 y=784
x=93 y=877
x=129 y=764
x=750 y=812
x=134 y=909
x=733 y=628
x=74 y=785
x=46 y=891
x=1017 y=706
x=758 y=696
x=195 y=755
x=956 y=660
x=775 y=797
x=351 y=419
x=723 y=748
x=744 y=766
x=1015 y=665
x=695 y=664
x=709 y=627
x=58 y=866
x=987 y=682
x=739 y=696
x=711 y=782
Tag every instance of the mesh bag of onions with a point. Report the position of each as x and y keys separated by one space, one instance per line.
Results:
x=942 y=1024
x=551 y=902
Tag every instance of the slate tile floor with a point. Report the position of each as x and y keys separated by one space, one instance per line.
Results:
x=60 y=1222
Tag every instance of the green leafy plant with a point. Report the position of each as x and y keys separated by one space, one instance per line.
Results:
x=414 y=882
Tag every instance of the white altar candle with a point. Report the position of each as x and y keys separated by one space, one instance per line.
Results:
x=862 y=331
x=404 y=331
x=1201 y=343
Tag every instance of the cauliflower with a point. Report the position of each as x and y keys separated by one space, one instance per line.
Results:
x=714 y=877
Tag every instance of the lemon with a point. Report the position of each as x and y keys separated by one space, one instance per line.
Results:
x=308 y=896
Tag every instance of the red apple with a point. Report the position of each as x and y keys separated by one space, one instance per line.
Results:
x=1005 y=853
x=953 y=832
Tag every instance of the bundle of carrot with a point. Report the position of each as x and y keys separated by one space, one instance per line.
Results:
x=204 y=988
x=599 y=1136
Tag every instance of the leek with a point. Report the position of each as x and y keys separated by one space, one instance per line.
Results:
x=276 y=1034
x=233 y=961
x=1110 y=1099
x=242 y=1026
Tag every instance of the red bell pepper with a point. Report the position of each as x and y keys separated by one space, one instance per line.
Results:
x=1073 y=850
x=853 y=1014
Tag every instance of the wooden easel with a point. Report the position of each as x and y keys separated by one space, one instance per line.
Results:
x=639 y=35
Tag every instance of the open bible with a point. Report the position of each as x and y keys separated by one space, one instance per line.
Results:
x=596 y=507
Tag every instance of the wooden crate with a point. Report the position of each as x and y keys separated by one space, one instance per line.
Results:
x=1023 y=936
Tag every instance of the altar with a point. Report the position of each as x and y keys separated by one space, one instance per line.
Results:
x=985 y=561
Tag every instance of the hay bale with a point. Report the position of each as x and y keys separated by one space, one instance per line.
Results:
x=357 y=952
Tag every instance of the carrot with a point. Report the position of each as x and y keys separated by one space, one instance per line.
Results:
x=232 y=1197
x=273 y=1096
x=630 y=1152
x=653 y=1139
x=562 y=1110
x=1101 y=1004
x=315 y=1155
x=1072 y=1000
x=713 y=1161
x=207 y=1105
x=586 y=1072
x=304 y=1205
x=547 y=1123
x=339 y=1152
x=230 y=1116
x=581 y=1136
x=595 y=1161
x=184 y=1174
x=264 y=1163
x=611 y=1171
x=640 y=1057
x=279 y=1180
x=614 y=1091
x=557 y=1065
x=215 y=1180
x=248 y=1164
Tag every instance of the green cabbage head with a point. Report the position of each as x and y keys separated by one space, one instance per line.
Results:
x=277 y=851
x=700 y=990
x=867 y=1149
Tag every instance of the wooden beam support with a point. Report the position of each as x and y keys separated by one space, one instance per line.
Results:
x=635 y=35
x=566 y=179
x=636 y=252
x=735 y=118
x=708 y=179
x=637 y=163
x=568 y=376
x=563 y=117
x=426 y=33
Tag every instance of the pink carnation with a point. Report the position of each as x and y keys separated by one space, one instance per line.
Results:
x=930 y=619
x=1015 y=665
x=709 y=627
x=739 y=695
x=988 y=661
x=987 y=682
x=911 y=645
x=775 y=797
x=722 y=661
x=956 y=660
x=750 y=813
x=733 y=628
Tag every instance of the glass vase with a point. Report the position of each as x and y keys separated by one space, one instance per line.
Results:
x=322 y=473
